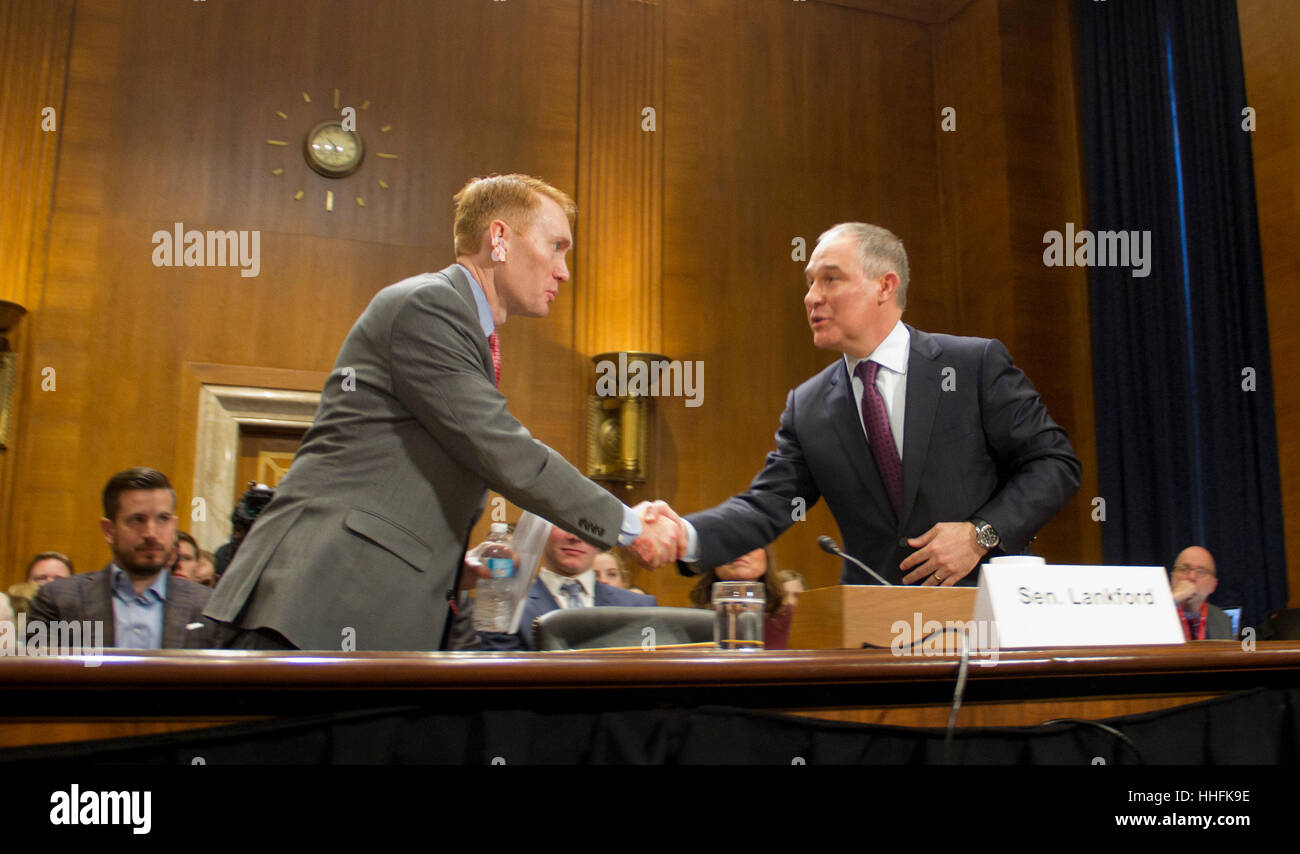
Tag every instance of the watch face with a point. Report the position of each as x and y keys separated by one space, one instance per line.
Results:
x=333 y=151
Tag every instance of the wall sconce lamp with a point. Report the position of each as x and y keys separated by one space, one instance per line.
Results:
x=9 y=314
x=618 y=414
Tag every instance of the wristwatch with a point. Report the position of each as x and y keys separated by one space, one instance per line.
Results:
x=985 y=535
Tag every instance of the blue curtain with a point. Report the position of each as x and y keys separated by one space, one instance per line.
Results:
x=1186 y=436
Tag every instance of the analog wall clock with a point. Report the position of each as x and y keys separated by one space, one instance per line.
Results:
x=334 y=148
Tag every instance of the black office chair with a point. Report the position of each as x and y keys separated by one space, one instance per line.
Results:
x=1282 y=625
x=612 y=626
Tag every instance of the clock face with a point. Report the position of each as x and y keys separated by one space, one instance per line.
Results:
x=333 y=151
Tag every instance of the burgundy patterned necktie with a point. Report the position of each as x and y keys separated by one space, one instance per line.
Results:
x=879 y=436
x=494 y=344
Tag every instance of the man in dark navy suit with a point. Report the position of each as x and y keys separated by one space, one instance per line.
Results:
x=567 y=579
x=932 y=451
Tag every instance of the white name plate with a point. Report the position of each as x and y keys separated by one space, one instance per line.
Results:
x=1027 y=605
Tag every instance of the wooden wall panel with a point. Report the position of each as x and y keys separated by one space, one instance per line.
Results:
x=976 y=212
x=774 y=120
x=169 y=106
x=34 y=38
x=776 y=129
x=1012 y=171
x=1049 y=306
x=621 y=166
x=1270 y=30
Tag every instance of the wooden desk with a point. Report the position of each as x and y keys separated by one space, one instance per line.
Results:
x=46 y=700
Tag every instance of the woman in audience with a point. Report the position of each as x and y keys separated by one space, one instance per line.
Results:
x=792 y=584
x=758 y=565
x=610 y=570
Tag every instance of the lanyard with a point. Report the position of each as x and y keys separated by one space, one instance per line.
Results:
x=1200 y=631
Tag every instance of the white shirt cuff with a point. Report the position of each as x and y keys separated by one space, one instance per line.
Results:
x=631 y=527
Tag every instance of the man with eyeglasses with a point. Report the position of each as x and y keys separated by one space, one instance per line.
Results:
x=1193 y=579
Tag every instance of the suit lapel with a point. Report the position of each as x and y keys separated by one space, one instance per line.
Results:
x=541 y=595
x=460 y=282
x=176 y=610
x=600 y=596
x=847 y=424
x=97 y=603
x=923 y=389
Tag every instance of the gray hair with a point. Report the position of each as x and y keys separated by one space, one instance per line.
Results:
x=879 y=252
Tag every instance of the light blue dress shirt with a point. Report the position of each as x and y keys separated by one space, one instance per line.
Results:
x=138 y=617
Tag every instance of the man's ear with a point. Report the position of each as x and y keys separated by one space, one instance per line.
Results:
x=1213 y=587
x=106 y=525
x=888 y=286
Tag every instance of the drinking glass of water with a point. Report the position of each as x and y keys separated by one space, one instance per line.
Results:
x=738 y=614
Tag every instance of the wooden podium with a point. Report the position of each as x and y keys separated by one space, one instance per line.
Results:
x=847 y=616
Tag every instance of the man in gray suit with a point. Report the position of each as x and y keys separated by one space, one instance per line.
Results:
x=362 y=545
x=139 y=603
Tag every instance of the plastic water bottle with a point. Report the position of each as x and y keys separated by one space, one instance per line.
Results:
x=494 y=601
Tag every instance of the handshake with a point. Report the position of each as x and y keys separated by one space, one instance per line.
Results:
x=663 y=536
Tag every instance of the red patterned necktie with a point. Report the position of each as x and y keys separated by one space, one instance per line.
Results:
x=494 y=344
x=879 y=437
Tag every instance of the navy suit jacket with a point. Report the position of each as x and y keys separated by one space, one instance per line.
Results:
x=977 y=442
x=540 y=601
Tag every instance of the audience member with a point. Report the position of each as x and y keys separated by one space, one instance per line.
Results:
x=186 y=562
x=6 y=611
x=792 y=584
x=611 y=570
x=205 y=571
x=1193 y=578
x=47 y=566
x=140 y=603
x=566 y=580
x=758 y=565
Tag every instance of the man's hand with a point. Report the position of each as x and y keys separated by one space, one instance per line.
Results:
x=473 y=569
x=663 y=535
x=1184 y=590
x=945 y=554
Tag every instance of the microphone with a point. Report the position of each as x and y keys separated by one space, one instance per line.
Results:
x=828 y=545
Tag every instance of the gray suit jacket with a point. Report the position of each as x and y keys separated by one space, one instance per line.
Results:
x=977 y=441
x=90 y=597
x=1218 y=625
x=365 y=536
